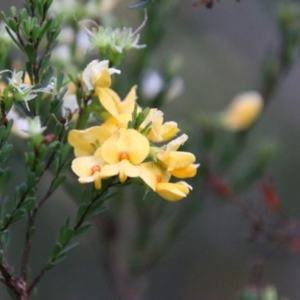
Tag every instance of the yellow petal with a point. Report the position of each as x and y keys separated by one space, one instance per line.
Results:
x=151 y=173
x=176 y=159
x=168 y=130
x=108 y=101
x=187 y=172
x=102 y=79
x=87 y=141
x=172 y=191
x=110 y=170
x=243 y=111
x=127 y=105
x=125 y=144
x=81 y=166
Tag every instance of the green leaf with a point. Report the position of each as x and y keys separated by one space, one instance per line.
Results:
x=18 y=214
x=82 y=230
x=31 y=232
x=44 y=29
x=81 y=211
x=68 y=248
x=13 y=11
x=59 y=81
x=56 y=250
x=21 y=16
x=58 y=129
x=65 y=151
x=65 y=235
x=25 y=28
x=13 y=38
x=59 y=181
x=35 y=32
x=29 y=50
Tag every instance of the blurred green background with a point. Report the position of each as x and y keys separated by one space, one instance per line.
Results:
x=222 y=50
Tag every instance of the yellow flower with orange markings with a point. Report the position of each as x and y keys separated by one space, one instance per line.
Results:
x=157 y=178
x=123 y=152
x=88 y=169
x=172 y=159
x=124 y=146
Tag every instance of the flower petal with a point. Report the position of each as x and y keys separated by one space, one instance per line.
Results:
x=125 y=143
x=172 y=191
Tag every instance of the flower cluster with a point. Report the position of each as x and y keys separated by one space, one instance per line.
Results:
x=130 y=142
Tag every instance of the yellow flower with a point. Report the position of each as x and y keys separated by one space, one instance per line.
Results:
x=157 y=178
x=97 y=74
x=112 y=124
x=159 y=131
x=186 y=172
x=242 y=111
x=88 y=169
x=86 y=142
x=123 y=152
x=113 y=104
x=172 y=159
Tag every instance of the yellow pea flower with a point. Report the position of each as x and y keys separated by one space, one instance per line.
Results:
x=113 y=104
x=123 y=152
x=98 y=74
x=86 y=142
x=173 y=159
x=88 y=169
x=242 y=111
x=157 y=178
x=187 y=172
x=159 y=131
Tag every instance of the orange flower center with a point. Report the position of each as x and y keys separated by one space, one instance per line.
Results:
x=95 y=168
x=124 y=155
x=158 y=178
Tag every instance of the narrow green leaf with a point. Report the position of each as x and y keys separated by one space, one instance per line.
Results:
x=81 y=211
x=68 y=248
x=58 y=181
x=82 y=230
x=29 y=50
x=56 y=250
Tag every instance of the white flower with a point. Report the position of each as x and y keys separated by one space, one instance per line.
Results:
x=152 y=84
x=25 y=127
x=107 y=39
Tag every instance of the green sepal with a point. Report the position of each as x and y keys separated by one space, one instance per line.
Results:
x=141 y=117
